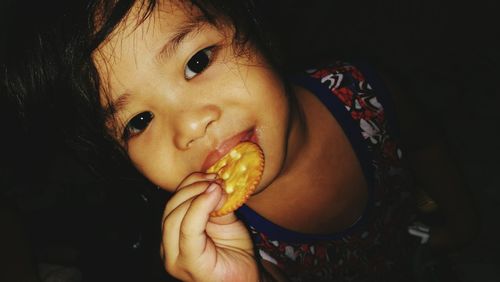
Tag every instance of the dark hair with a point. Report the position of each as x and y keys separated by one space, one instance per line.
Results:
x=49 y=81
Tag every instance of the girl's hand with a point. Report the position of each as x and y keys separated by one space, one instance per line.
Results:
x=197 y=247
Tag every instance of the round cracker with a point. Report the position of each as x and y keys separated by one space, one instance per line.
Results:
x=240 y=170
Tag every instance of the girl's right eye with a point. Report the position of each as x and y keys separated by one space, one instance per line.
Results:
x=137 y=124
x=199 y=62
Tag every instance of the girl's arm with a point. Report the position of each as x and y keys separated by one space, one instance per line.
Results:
x=437 y=173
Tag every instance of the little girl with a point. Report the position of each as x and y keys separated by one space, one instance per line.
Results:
x=177 y=84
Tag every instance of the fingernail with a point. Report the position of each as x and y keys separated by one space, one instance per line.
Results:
x=211 y=188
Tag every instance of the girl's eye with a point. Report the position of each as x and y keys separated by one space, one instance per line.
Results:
x=198 y=63
x=137 y=124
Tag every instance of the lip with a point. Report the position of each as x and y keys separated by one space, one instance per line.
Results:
x=224 y=147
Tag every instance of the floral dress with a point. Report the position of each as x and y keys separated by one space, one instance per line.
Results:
x=377 y=247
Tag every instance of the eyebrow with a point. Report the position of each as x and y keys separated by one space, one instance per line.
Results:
x=115 y=106
x=184 y=30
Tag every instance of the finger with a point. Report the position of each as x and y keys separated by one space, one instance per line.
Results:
x=196 y=177
x=184 y=194
x=196 y=184
x=193 y=239
x=170 y=232
x=225 y=219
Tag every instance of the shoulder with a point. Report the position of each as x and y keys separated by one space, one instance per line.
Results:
x=355 y=89
x=336 y=74
x=377 y=90
x=341 y=78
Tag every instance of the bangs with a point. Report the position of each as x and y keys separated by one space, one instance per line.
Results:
x=241 y=16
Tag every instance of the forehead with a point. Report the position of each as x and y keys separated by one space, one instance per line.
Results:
x=143 y=22
x=140 y=37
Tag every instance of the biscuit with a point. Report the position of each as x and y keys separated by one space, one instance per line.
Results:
x=240 y=171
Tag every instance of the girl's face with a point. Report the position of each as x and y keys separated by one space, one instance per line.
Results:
x=184 y=97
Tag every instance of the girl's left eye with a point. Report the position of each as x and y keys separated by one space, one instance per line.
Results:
x=137 y=124
x=198 y=63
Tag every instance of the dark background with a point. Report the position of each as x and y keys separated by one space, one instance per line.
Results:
x=442 y=53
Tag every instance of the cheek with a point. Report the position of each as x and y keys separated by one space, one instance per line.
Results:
x=273 y=115
x=274 y=105
x=155 y=164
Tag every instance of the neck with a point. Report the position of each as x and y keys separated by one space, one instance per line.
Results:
x=298 y=133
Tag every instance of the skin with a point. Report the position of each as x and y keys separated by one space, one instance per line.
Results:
x=192 y=116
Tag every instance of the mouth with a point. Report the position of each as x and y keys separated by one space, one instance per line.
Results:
x=226 y=146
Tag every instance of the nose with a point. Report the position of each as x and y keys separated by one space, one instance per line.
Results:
x=193 y=124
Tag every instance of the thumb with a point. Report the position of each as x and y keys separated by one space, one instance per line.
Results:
x=225 y=219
